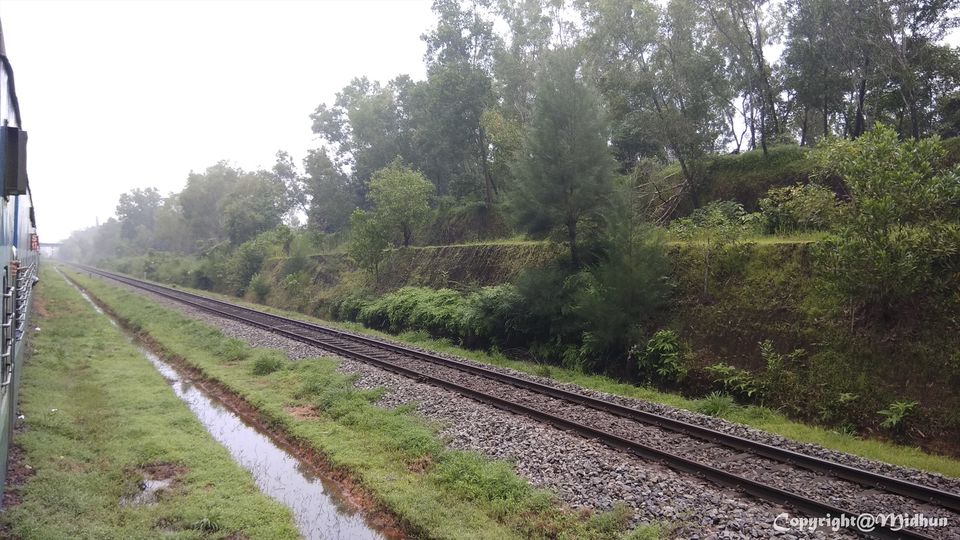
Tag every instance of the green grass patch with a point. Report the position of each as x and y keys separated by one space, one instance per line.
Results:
x=99 y=418
x=393 y=454
x=758 y=417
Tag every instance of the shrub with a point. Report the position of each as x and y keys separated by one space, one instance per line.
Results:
x=440 y=312
x=897 y=250
x=713 y=228
x=808 y=207
x=268 y=361
x=735 y=381
x=260 y=287
x=662 y=360
x=894 y=415
x=495 y=316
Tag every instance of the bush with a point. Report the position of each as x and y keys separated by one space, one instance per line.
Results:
x=268 y=361
x=495 y=316
x=734 y=381
x=808 y=207
x=894 y=415
x=662 y=360
x=713 y=228
x=897 y=251
x=260 y=287
x=440 y=312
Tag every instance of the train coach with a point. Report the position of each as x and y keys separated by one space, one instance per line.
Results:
x=19 y=253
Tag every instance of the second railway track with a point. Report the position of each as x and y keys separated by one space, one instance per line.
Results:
x=807 y=483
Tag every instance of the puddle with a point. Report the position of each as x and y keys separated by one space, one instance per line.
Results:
x=318 y=512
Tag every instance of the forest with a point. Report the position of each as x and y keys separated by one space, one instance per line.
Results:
x=655 y=150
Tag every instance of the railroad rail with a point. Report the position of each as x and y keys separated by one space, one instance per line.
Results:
x=411 y=363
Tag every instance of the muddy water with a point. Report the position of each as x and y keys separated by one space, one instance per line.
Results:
x=314 y=503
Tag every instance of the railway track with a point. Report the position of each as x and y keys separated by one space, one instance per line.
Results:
x=808 y=484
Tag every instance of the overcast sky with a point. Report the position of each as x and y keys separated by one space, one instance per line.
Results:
x=123 y=94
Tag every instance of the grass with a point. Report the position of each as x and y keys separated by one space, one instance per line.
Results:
x=769 y=239
x=97 y=416
x=395 y=456
x=758 y=417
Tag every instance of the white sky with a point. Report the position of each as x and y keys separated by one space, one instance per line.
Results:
x=123 y=94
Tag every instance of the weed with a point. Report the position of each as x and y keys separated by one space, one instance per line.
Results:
x=267 y=362
x=716 y=404
x=895 y=414
x=205 y=524
x=736 y=381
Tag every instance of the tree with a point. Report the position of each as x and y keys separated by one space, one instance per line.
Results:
x=903 y=38
x=661 y=74
x=622 y=293
x=332 y=197
x=294 y=200
x=364 y=126
x=367 y=241
x=202 y=199
x=566 y=168
x=136 y=211
x=401 y=197
x=254 y=205
x=744 y=27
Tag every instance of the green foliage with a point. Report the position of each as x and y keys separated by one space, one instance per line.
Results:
x=747 y=176
x=367 y=241
x=803 y=207
x=898 y=246
x=255 y=205
x=619 y=297
x=735 y=381
x=662 y=360
x=496 y=315
x=713 y=228
x=267 y=361
x=565 y=172
x=716 y=404
x=476 y=478
x=896 y=413
x=401 y=197
x=332 y=198
x=260 y=287
x=232 y=350
x=440 y=312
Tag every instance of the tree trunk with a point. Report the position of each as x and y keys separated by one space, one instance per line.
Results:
x=803 y=128
x=826 y=116
x=407 y=235
x=572 y=238
x=859 y=123
x=914 y=121
x=763 y=130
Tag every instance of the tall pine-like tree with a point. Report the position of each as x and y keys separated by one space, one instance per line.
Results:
x=565 y=169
